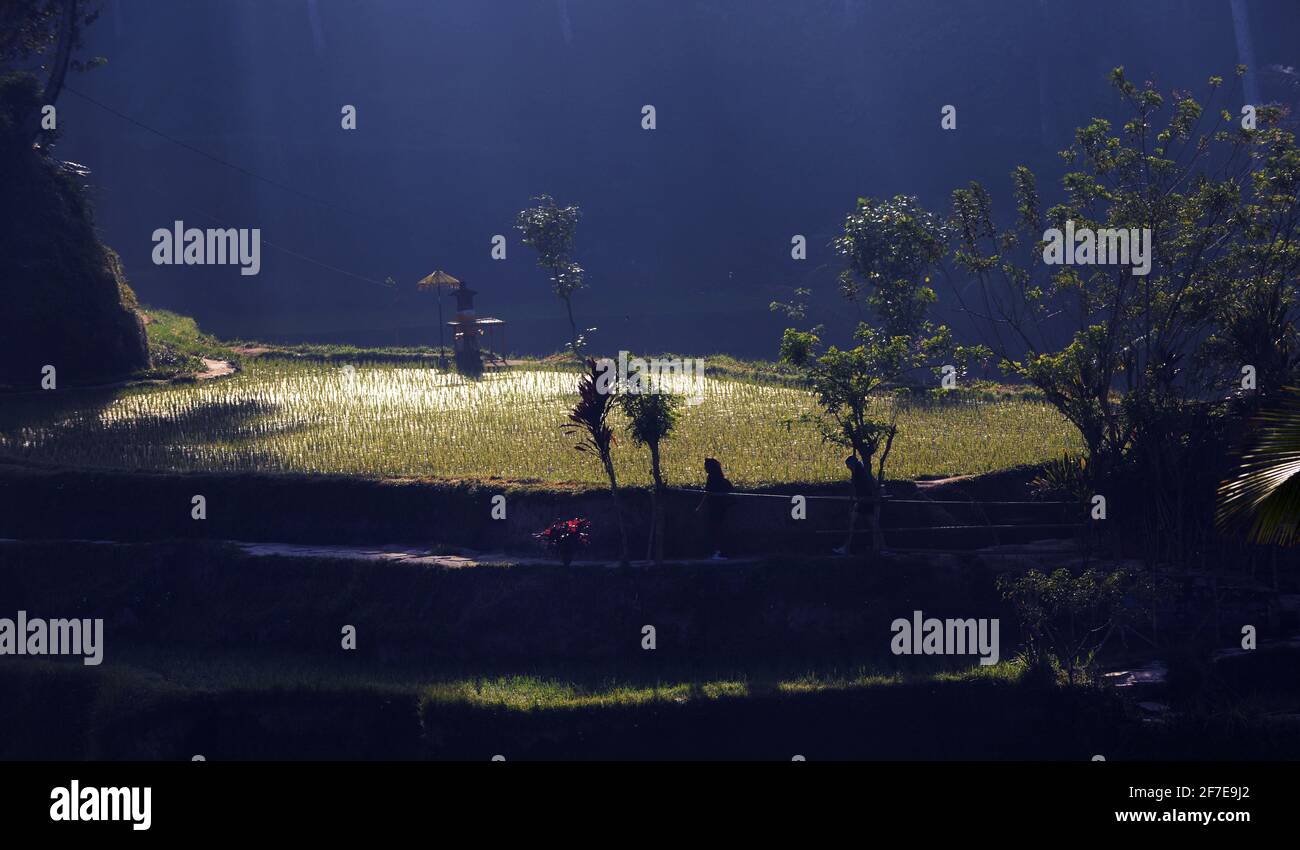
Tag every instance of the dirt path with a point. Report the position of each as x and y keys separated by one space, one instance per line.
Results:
x=1038 y=552
x=416 y=555
x=215 y=369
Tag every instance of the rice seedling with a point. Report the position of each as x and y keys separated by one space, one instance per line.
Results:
x=407 y=420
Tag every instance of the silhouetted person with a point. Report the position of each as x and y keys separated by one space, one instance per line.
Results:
x=717 y=500
x=864 y=498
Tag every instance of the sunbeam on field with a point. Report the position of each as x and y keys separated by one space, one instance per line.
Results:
x=400 y=420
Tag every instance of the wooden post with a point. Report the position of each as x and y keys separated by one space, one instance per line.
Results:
x=442 y=352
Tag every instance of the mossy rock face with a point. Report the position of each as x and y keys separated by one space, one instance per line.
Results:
x=66 y=302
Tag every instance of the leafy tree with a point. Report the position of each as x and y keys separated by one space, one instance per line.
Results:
x=889 y=247
x=550 y=230
x=30 y=29
x=1264 y=493
x=1256 y=297
x=1128 y=358
x=651 y=417
x=846 y=384
x=1068 y=618
x=43 y=36
x=589 y=420
x=795 y=310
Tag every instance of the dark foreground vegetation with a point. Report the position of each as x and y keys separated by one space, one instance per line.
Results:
x=211 y=652
x=134 y=715
x=47 y=501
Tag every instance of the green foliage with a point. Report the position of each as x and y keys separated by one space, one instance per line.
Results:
x=1264 y=492
x=1222 y=206
x=41 y=39
x=756 y=371
x=550 y=229
x=1068 y=617
x=651 y=416
x=889 y=246
x=1065 y=476
x=177 y=346
x=843 y=382
x=569 y=278
x=29 y=30
x=847 y=383
x=795 y=310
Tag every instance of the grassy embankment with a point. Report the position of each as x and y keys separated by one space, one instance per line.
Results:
x=214 y=653
x=177 y=346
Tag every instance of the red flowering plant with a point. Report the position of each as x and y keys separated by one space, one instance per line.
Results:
x=565 y=536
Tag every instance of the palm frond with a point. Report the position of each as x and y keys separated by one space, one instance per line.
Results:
x=1264 y=493
x=589 y=417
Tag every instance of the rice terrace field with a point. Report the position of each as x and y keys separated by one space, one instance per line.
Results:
x=440 y=384
x=389 y=419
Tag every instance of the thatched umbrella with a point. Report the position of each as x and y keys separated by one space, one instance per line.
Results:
x=438 y=281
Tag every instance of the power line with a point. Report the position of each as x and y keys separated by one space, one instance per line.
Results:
x=299 y=256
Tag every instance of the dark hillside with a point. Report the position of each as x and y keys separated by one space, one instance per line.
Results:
x=65 y=300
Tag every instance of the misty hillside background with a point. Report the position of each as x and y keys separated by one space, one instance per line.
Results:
x=773 y=117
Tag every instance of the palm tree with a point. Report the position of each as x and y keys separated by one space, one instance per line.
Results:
x=1265 y=490
x=589 y=420
x=651 y=418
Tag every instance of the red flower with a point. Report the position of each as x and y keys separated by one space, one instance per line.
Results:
x=564 y=536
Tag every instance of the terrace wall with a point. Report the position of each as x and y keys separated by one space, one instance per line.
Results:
x=49 y=502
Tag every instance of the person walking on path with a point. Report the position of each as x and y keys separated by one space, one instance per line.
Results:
x=716 y=502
